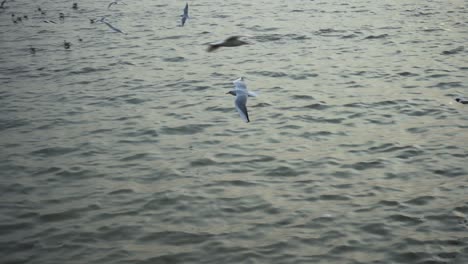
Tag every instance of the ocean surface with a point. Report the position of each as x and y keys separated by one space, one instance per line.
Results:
x=126 y=148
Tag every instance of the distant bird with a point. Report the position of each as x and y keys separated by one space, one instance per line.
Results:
x=25 y=17
x=80 y=39
x=462 y=100
x=75 y=6
x=103 y=20
x=2 y=4
x=185 y=15
x=66 y=44
x=92 y=20
x=49 y=21
x=233 y=41
x=114 y=3
x=241 y=94
x=42 y=11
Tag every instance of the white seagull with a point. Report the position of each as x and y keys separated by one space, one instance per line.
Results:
x=241 y=94
x=103 y=20
x=185 y=15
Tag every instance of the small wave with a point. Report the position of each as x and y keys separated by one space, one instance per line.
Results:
x=203 y=162
x=377 y=36
x=53 y=151
x=86 y=70
x=409 y=220
x=190 y=129
x=422 y=200
x=283 y=171
x=174 y=59
x=453 y=51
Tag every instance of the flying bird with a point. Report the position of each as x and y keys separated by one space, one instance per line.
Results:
x=114 y=3
x=42 y=11
x=241 y=94
x=233 y=41
x=103 y=20
x=66 y=44
x=185 y=15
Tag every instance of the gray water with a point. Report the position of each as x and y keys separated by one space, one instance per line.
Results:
x=127 y=149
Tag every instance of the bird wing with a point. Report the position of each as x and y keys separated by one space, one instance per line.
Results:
x=240 y=84
x=233 y=38
x=186 y=10
x=114 y=28
x=240 y=102
x=252 y=94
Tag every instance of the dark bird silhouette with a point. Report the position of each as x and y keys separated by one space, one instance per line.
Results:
x=233 y=41
x=66 y=44
x=185 y=14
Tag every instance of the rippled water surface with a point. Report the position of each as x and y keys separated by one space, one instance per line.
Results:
x=127 y=149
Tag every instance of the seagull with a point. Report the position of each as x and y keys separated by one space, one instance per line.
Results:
x=462 y=100
x=66 y=44
x=241 y=94
x=1 y=5
x=185 y=15
x=114 y=3
x=233 y=41
x=39 y=9
x=103 y=20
